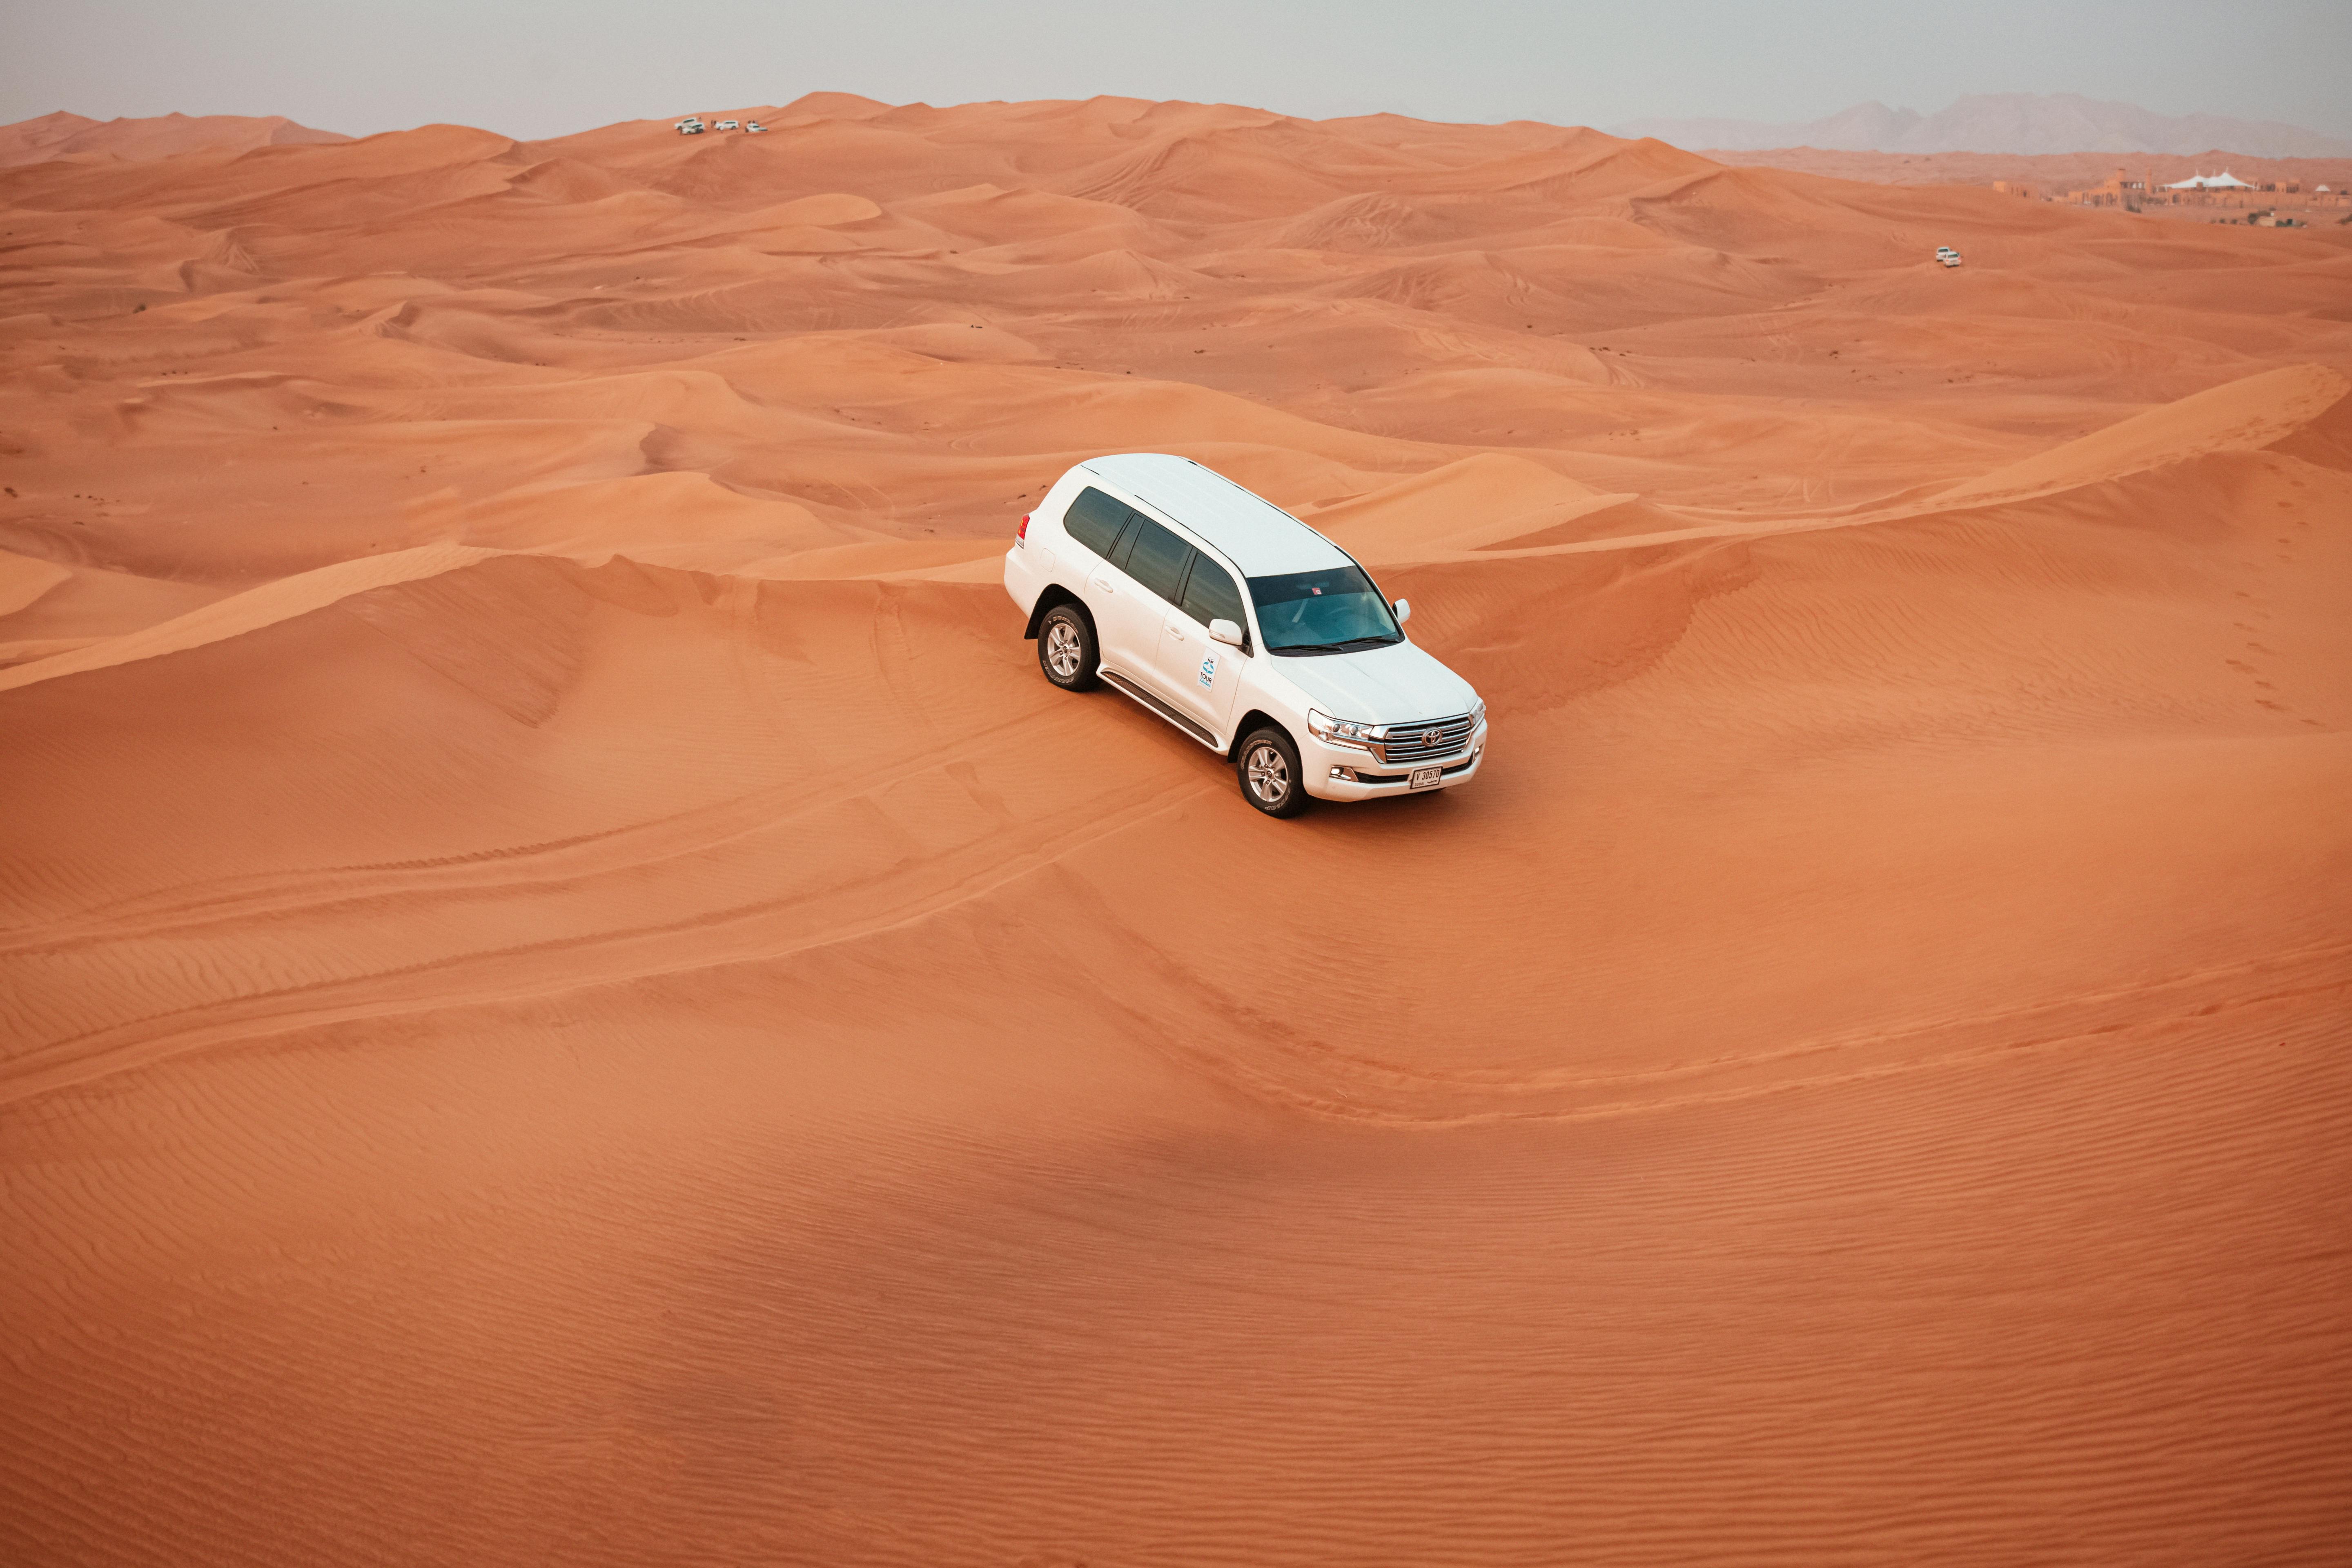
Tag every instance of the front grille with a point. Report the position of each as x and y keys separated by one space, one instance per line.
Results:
x=1425 y=740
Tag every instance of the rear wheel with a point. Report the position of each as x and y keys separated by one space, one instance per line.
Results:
x=1066 y=648
x=1267 y=763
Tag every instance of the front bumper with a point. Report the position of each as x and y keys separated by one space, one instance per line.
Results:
x=1373 y=779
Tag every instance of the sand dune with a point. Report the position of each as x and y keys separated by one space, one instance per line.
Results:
x=61 y=135
x=567 y=993
x=2243 y=416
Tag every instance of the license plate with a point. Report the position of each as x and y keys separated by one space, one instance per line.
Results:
x=1423 y=778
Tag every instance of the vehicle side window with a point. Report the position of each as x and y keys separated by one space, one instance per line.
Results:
x=1158 y=558
x=1116 y=553
x=1210 y=594
x=1094 y=520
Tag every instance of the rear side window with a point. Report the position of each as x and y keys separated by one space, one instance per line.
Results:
x=1157 y=559
x=1116 y=553
x=1210 y=594
x=1094 y=520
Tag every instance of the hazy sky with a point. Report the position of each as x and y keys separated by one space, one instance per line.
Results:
x=539 y=70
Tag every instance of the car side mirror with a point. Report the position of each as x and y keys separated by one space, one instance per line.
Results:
x=1225 y=631
x=1404 y=611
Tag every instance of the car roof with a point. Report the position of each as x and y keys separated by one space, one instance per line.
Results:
x=1251 y=531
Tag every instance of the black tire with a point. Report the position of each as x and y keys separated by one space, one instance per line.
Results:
x=1066 y=637
x=1266 y=764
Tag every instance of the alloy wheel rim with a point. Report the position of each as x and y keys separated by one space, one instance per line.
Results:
x=1062 y=649
x=1269 y=776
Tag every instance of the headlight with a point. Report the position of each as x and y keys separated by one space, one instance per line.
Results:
x=1478 y=711
x=1343 y=732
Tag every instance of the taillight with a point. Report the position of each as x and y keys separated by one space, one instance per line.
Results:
x=1023 y=532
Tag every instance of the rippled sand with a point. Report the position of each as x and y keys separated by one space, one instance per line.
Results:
x=568 y=994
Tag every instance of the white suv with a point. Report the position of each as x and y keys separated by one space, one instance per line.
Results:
x=1242 y=627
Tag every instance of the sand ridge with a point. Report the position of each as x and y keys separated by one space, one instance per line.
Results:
x=68 y=135
x=567 y=992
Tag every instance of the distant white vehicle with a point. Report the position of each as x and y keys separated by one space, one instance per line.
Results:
x=751 y=127
x=691 y=126
x=728 y=125
x=1948 y=255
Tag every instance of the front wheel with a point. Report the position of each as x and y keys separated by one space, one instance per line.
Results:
x=1268 y=764
x=1066 y=648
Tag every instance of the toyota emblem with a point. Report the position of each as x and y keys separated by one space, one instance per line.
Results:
x=1430 y=737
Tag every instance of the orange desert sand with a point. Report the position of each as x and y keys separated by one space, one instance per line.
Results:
x=62 y=135
x=571 y=996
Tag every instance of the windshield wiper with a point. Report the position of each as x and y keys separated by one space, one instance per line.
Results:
x=1346 y=645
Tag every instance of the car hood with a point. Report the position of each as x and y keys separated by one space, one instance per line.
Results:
x=1381 y=685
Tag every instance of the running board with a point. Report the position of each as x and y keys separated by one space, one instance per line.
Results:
x=1156 y=705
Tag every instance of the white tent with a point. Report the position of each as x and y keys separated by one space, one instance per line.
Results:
x=2224 y=180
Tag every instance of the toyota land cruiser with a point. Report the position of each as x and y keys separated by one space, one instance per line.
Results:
x=1242 y=627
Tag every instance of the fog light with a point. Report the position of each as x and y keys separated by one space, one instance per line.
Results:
x=1347 y=774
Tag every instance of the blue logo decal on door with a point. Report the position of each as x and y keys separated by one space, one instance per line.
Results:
x=1209 y=671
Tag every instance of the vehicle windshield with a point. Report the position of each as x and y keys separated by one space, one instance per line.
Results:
x=1333 y=611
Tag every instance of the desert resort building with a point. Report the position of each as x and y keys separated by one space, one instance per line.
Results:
x=2221 y=197
x=2224 y=180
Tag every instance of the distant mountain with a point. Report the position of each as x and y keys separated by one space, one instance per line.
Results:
x=2021 y=122
x=1864 y=128
x=158 y=136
